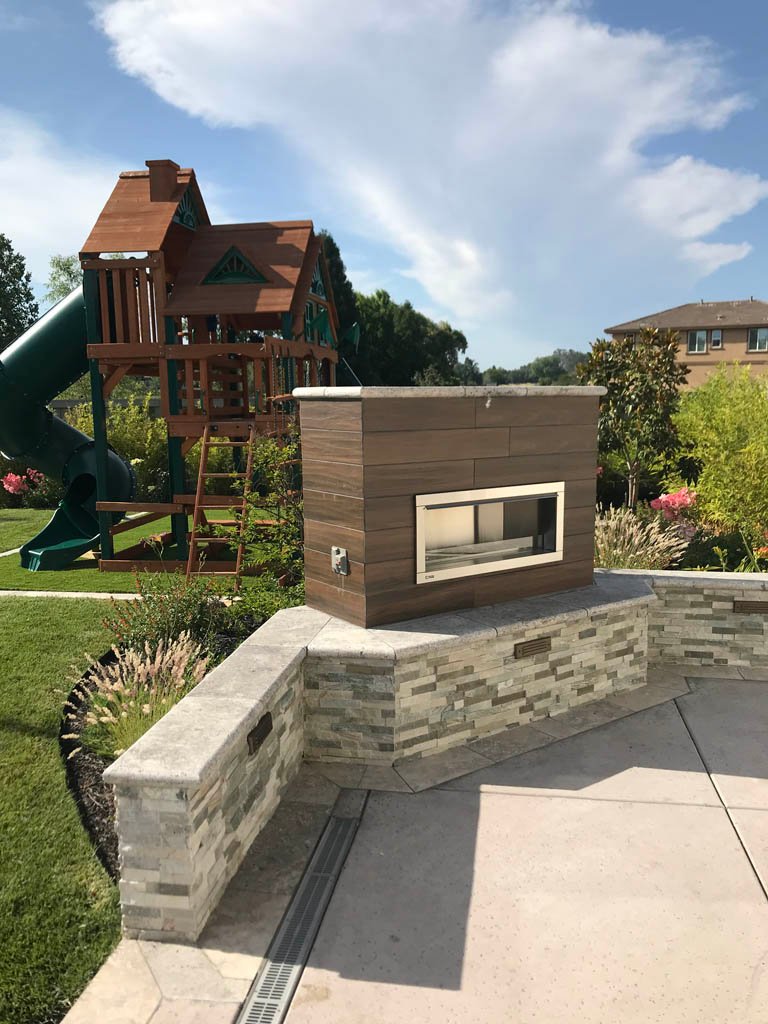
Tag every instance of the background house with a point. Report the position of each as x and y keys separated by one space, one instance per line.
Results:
x=711 y=333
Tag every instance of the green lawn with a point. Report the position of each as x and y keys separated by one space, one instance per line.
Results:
x=84 y=574
x=59 y=914
x=17 y=525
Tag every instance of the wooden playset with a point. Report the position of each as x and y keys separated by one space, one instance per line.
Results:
x=229 y=317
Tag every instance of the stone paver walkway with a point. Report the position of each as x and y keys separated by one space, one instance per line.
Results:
x=610 y=875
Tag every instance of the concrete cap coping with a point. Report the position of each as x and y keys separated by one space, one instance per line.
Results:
x=481 y=391
x=692 y=579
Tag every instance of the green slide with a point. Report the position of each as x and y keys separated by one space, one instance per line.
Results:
x=39 y=365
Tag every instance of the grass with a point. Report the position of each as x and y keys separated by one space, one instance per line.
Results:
x=83 y=575
x=17 y=525
x=59 y=914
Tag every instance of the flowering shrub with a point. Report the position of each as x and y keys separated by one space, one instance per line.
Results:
x=624 y=541
x=15 y=484
x=134 y=691
x=673 y=506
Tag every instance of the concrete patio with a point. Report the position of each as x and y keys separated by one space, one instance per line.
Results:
x=612 y=871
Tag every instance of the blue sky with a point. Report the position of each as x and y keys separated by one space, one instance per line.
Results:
x=531 y=172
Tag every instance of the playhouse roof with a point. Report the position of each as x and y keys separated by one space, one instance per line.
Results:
x=283 y=255
x=140 y=212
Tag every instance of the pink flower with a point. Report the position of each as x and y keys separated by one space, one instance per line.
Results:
x=15 y=484
x=673 y=505
x=599 y=471
x=35 y=476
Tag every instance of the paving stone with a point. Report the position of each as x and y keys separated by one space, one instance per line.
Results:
x=347 y=776
x=123 y=992
x=185 y=972
x=758 y=675
x=276 y=860
x=578 y=719
x=311 y=787
x=188 y=1011
x=351 y=803
x=516 y=740
x=448 y=764
x=240 y=930
x=648 y=696
x=384 y=778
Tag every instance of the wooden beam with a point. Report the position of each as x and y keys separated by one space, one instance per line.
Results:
x=131 y=524
x=114 y=379
x=163 y=507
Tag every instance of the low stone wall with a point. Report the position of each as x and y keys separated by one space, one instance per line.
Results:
x=381 y=695
x=694 y=622
x=193 y=793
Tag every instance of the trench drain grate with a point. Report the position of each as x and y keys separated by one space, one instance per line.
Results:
x=272 y=991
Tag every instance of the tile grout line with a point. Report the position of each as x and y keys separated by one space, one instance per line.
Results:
x=722 y=801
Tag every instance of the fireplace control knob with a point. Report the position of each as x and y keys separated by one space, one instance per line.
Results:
x=340 y=561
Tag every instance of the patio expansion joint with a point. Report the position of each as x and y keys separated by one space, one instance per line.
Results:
x=721 y=800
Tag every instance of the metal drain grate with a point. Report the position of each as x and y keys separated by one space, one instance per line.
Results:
x=272 y=991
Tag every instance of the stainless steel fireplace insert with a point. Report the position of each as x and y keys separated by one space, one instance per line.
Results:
x=468 y=533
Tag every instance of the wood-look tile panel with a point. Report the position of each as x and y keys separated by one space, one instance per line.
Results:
x=533 y=469
x=578 y=546
x=333 y=477
x=398 y=574
x=322 y=537
x=415 y=602
x=331 y=446
x=579 y=520
x=414 y=446
x=581 y=493
x=390 y=513
x=336 y=509
x=387 y=545
x=553 y=410
x=544 y=579
x=552 y=440
x=317 y=566
x=334 y=601
x=417 y=478
x=331 y=416
x=395 y=414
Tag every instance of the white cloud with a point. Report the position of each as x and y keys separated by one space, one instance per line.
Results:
x=500 y=149
x=49 y=195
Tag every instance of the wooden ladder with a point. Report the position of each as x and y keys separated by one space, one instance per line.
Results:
x=239 y=503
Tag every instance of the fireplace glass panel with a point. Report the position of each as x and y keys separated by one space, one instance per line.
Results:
x=489 y=531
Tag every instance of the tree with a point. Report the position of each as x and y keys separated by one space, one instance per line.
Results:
x=642 y=378
x=723 y=431
x=64 y=275
x=18 y=308
x=558 y=368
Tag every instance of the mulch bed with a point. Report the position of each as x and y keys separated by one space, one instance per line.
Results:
x=94 y=798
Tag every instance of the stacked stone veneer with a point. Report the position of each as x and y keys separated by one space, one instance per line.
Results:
x=191 y=798
x=693 y=622
x=386 y=694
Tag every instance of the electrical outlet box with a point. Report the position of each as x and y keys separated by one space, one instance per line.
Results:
x=340 y=561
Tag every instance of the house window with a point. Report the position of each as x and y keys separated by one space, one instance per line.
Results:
x=758 y=340
x=697 y=342
x=716 y=339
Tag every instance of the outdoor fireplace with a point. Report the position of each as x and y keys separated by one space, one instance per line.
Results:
x=471 y=533
x=426 y=500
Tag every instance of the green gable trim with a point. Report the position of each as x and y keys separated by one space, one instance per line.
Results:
x=186 y=212
x=317 y=287
x=234 y=268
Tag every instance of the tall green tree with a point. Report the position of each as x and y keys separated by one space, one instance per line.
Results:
x=642 y=377
x=18 y=308
x=64 y=274
x=558 y=368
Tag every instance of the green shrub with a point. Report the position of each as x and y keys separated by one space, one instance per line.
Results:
x=128 y=695
x=264 y=596
x=278 y=547
x=139 y=438
x=624 y=540
x=723 y=429
x=171 y=605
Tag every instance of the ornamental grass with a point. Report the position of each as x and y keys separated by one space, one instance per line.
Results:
x=624 y=541
x=134 y=690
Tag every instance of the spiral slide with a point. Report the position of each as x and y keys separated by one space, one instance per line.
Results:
x=39 y=365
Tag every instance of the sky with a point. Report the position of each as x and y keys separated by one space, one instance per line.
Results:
x=531 y=172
